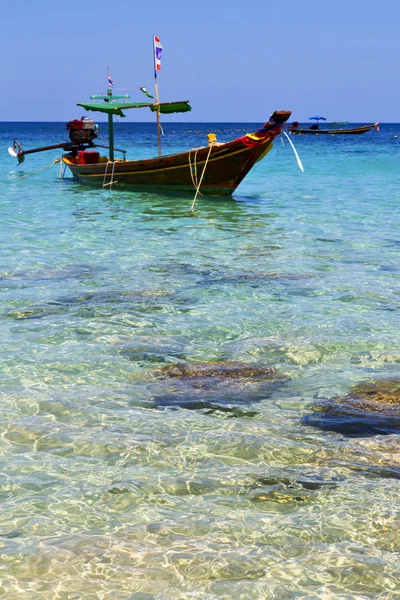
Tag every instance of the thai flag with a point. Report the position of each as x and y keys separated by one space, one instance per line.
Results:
x=110 y=81
x=157 y=53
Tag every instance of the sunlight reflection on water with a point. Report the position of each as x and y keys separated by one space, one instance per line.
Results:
x=117 y=482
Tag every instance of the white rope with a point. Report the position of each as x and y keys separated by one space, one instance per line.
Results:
x=55 y=161
x=295 y=153
x=111 y=182
x=105 y=175
x=63 y=168
x=112 y=175
x=201 y=178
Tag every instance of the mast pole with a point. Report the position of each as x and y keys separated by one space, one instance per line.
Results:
x=157 y=99
x=111 y=137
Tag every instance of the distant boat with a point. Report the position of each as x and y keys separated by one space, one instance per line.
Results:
x=315 y=130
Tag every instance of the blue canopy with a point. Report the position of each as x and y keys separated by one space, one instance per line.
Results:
x=317 y=118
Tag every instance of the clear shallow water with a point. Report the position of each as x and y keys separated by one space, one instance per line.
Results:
x=112 y=483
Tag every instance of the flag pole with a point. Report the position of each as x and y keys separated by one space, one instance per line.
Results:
x=110 y=118
x=157 y=98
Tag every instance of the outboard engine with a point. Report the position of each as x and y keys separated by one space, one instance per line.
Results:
x=82 y=131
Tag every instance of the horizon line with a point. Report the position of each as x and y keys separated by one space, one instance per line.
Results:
x=181 y=122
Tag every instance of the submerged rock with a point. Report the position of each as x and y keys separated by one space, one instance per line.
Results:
x=44 y=274
x=260 y=277
x=371 y=408
x=12 y=535
x=281 y=489
x=307 y=483
x=278 y=497
x=113 y=297
x=377 y=393
x=34 y=312
x=219 y=370
x=217 y=388
x=146 y=349
x=208 y=408
x=377 y=472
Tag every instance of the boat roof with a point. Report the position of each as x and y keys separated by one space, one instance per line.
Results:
x=116 y=108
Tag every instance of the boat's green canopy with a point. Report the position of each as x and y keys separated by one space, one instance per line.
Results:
x=116 y=108
x=172 y=107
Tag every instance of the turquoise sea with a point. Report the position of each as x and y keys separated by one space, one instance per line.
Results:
x=123 y=476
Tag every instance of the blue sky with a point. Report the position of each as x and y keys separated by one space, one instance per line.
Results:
x=234 y=60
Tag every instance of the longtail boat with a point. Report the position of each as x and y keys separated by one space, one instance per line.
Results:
x=216 y=169
x=315 y=130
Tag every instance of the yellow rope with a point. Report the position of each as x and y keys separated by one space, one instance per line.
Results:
x=201 y=178
x=194 y=177
x=55 y=162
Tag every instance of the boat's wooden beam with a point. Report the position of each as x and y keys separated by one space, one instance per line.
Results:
x=63 y=145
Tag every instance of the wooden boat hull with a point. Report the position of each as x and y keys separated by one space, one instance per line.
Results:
x=353 y=131
x=220 y=168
